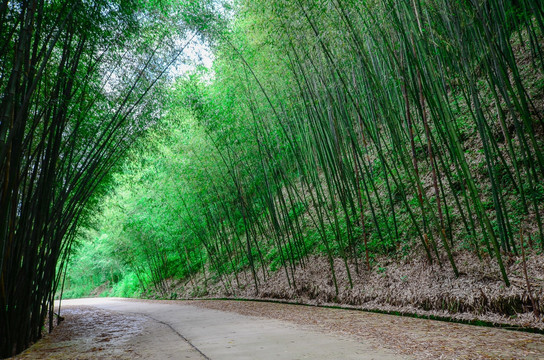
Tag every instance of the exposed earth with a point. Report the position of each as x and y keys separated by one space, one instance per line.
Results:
x=113 y=328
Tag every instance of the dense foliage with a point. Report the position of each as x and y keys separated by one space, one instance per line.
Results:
x=79 y=82
x=346 y=128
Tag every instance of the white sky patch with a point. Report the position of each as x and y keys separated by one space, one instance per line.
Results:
x=195 y=54
x=191 y=54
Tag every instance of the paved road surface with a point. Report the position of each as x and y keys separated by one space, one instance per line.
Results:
x=123 y=329
x=128 y=329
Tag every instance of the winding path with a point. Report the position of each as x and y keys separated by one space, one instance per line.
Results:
x=111 y=328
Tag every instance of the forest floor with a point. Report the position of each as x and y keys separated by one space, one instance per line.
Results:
x=108 y=328
x=409 y=287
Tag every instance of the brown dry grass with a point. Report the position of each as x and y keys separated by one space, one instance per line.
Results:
x=413 y=287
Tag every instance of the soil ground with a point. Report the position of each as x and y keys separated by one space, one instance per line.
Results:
x=107 y=328
x=409 y=287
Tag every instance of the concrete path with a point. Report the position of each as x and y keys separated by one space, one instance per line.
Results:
x=199 y=333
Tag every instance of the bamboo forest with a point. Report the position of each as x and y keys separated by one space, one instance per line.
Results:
x=381 y=154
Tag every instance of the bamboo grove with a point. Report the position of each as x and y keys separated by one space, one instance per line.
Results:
x=79 y=82
x=351 y=129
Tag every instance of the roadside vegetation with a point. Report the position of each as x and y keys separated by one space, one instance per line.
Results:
x=340 y=139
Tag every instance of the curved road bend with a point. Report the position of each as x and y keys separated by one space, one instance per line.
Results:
x=108 y=328
x=182 y=331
